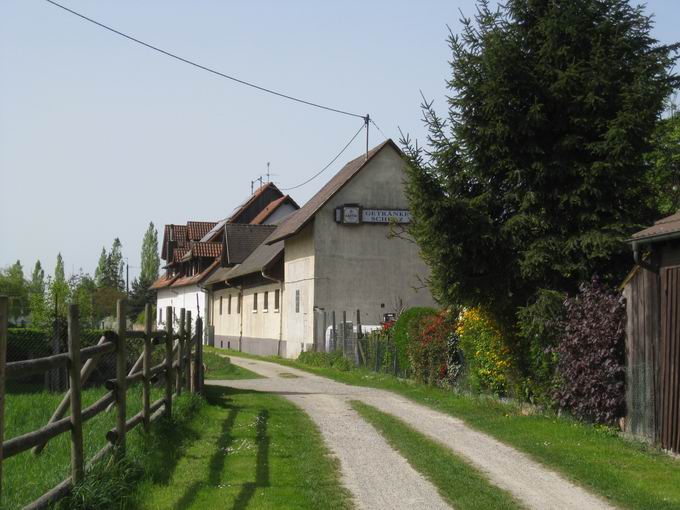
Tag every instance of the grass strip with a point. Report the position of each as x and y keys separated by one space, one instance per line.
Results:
x=459 y=483
x=629 y=473
x=248 y=450
x=25 y=477
x=220 y=367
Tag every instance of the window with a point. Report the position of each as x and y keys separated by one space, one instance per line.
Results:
x=220 y=305
x=238 y=303
x=297 y=301
x=229 y=304
x=160 y=315
x=265 y=307
x=255 y=302
x=276 y=300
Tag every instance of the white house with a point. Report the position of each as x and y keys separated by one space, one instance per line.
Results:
x=337 y=253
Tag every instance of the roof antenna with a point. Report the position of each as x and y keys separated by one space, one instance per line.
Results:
x=252 y=189
x=367 y=119
x=268 y=178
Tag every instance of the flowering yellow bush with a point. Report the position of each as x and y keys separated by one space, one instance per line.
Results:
x=487 y=358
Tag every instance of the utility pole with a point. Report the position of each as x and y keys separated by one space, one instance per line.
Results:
x=127 y=277
x=367 y=119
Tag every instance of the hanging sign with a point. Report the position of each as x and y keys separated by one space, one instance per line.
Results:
x=355 y=214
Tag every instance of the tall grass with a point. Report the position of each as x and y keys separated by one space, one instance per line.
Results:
x=26 y=477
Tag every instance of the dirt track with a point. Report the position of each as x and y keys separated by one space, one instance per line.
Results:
x=377 y=475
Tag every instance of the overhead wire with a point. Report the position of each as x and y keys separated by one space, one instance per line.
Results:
x=205 y=68
x=329 y=163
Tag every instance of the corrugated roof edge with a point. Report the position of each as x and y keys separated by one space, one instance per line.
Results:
x=305 y=215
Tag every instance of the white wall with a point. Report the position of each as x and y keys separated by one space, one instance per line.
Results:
x=261 y=323
x=281 y=212
x=181 y=297
x=299 y=276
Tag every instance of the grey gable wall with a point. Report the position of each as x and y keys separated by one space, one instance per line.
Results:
x=359 y=266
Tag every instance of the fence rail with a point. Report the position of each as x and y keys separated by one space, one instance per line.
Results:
x=182 y=368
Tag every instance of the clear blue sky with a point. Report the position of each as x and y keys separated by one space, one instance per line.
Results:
x=99 y=136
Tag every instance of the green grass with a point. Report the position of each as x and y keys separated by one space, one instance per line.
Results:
x=220 y=367
x=460 y=484
x=247 y=450
x=26 y=477
x=628 y=473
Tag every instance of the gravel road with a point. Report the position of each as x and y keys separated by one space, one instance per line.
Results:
x=377 y=475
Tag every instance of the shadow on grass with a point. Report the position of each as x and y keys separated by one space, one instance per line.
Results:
x=262 y=466
x=166 y=447
x=215 y=397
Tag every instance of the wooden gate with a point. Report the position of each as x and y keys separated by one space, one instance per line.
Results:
x=669 y=352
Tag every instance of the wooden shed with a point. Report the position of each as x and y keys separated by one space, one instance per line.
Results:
x=652 y=293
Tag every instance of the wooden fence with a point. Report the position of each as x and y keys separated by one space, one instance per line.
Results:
x=181 y=368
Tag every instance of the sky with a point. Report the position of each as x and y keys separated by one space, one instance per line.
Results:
x=99 y=136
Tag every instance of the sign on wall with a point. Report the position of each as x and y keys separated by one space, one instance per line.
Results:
x=353 y=214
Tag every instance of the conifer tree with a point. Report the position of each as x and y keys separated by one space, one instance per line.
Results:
x=537 y=174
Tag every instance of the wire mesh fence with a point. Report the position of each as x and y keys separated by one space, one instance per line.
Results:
x=26 y=343
x=368 y=346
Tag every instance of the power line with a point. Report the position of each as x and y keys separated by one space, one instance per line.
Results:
x=378 y=128
x=330 y=163
x=204 y=68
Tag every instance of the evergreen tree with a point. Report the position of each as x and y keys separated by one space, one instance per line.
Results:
x=150 y=259
x=38 y=279
x=116 y=266
x=141 y=288
x=537 y=175
x=100 y=274
x=59 y=273
x=58 y=291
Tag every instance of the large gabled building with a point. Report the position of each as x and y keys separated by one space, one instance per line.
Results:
x=193 y=252
x=337 y=253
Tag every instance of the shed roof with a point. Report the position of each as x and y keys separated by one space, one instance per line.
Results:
x=294 y=223
x=240 y=240
x=263 y=256
x=660 y=230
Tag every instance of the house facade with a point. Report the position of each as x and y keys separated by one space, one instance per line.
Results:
x=195 y=251
x=340 y=252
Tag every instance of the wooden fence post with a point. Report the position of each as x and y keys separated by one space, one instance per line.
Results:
x=344 y=333
x=4 y=312
x=198 y=362
x=146 y=366
x=169 y=374
x=361 y=359
x=121 y=373
x=77 y=462
x=180 y=352
x=187 y=353
x=334 y=336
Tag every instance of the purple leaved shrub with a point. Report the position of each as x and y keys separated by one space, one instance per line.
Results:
x=591 y=354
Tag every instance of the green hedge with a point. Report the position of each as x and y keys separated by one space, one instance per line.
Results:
x=401 y=332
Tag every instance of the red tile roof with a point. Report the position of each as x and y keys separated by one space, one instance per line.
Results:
x=199 y=249
x=197 y=278
x=273 y=206
x=197 y=229
x=163 y=281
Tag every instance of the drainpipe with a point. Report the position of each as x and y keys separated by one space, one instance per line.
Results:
x=642 y=261
x=280 y=282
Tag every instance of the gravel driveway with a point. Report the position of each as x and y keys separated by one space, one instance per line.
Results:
x=377 y=475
